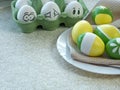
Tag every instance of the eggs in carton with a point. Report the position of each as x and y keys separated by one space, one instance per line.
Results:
x=48 y=14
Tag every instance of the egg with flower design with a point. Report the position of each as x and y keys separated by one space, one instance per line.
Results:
x=113 y=48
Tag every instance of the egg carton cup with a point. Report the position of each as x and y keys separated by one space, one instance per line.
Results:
x=40 y=21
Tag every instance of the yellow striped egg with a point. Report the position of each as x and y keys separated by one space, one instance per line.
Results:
x=107 y=32
x=90 y=44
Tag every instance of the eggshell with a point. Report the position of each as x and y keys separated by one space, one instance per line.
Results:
x=50 y=11
x=113 y=48
x=21 y=3
x=74 y=9
x=26 y=14
x=90 y=44
x=80 y=28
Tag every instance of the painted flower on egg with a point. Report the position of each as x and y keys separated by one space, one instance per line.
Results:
x=113 y=48
x=116 y=46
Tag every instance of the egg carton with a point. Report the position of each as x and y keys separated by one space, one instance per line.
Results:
x=47 y=14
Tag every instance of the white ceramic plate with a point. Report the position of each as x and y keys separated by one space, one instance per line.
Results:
x=65 y=53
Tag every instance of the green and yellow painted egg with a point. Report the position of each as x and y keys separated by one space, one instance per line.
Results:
x=102 y=15
x=107 y=32
x=113 y=48
x=90 y=44
x=80 y=28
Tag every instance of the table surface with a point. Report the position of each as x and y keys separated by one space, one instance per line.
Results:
x=32 y=62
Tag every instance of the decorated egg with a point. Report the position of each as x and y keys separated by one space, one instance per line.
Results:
x=102 y=15
x=74 y=9
x=50 y=11
x=26 y=14
x=90 y=44
x=79 y=28
x=113 y=48
x=107 y=32
x=20 y=3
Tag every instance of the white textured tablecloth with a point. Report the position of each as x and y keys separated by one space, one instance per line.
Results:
x=32 y=62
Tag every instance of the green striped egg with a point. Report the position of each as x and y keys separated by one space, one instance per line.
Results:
x=90 y=44
x=107 y=32
x=102 y=15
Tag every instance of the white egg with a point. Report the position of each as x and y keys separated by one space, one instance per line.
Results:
x=50 y=11
x=74 y=9
x=68 y=1
x=26 y=14
x=20 y=3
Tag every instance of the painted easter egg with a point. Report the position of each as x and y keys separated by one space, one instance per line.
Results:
x=107 y=32
x=26 y=14
x=50 y=11
x=102 y=15
x=74 y=9
x=79 y=28
x=20 y=3
x=113 y=48
x=90 y=44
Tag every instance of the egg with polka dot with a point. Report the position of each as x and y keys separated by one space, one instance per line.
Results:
x=74 y=9
x=50 y=11
x=26 y=14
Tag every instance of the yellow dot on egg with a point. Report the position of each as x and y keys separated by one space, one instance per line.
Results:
x=103 y=19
